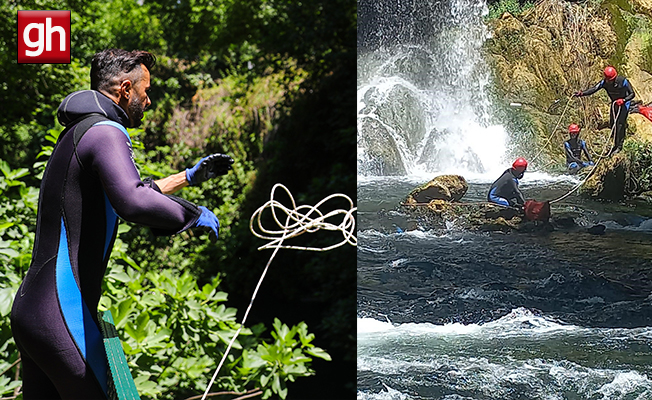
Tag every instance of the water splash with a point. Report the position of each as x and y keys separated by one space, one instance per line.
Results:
x=516 y=356
x=423 y=104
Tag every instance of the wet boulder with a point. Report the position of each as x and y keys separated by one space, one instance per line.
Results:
x=479 y=216
x=597 y=229
x=608 y=182
x=443 y=187
x=382 y=156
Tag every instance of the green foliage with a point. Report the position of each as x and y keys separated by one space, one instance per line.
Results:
x=18 y=204
x=514 y=7
x=640 y=169
x=173 y=332
x=284 y=360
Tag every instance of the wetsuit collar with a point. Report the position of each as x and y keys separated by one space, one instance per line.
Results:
x=84 y=102
x=516 y=174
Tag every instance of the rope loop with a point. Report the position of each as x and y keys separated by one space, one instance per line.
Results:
x=293 y=221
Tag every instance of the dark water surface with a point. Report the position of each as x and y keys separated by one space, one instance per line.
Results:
x=454 y=314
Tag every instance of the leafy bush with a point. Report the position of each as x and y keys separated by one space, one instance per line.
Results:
x=640 y=173
x=18 y=204
x=173 y=332
x=514 y=7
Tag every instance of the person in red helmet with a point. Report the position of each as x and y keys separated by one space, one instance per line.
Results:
x=574 y=148
x=621 y=93
x=504 y=190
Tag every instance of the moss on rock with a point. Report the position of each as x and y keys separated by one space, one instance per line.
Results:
x=441 y=188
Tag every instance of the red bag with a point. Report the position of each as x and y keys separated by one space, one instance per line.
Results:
x=646 y=111
x=537 y=210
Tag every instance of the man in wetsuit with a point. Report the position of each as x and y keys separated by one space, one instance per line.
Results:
x=504 y=190
x=89 y=182
x=574 y=147
x=621 y=93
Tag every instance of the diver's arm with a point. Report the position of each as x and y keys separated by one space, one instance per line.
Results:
x=630 y=91
x=106 y=151
x=172 y=183
x=592 y=90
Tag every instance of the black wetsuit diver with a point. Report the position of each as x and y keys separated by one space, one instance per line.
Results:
x=574 y=147
x=621 y=93
x=504 y=190
x=84 y=190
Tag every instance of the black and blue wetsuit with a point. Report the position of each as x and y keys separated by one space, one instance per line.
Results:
x=619 y=88
x=505 y=191
x=574 y=147
x=85 y=188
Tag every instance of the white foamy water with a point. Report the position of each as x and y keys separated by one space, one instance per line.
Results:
x=521 y=354
x=424 y=107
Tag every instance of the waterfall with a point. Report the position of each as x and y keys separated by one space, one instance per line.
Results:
x=423 y=102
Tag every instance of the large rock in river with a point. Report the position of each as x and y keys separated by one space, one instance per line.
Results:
x=609 y=180
x=443 y=187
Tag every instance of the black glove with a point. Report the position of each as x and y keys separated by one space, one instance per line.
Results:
x=208 y=168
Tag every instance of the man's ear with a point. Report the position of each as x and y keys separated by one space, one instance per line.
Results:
x=125 y=88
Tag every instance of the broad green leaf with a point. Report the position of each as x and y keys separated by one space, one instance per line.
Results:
x=6 y=300
x=317 y=352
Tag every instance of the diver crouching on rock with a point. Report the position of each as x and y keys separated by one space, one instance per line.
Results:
x=574 y=147
x=504 y=191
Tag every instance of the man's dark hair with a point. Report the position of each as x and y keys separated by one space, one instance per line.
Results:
x=111 y=65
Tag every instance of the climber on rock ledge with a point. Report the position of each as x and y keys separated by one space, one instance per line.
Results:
x=621 y=93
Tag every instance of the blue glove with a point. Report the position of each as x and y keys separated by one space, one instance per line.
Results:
x=208 y=220
x=208 y=168
x=591 y=163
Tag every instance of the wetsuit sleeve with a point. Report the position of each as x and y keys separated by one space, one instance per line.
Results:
x=594 y=89
x=106 y=151
x=518 y=196
x=629 y=90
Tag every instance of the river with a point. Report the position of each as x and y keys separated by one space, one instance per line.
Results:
x=455 y=314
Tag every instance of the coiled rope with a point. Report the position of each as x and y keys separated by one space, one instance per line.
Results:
x=296 y=221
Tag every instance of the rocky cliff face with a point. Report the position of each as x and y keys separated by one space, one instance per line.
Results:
x=543 y=55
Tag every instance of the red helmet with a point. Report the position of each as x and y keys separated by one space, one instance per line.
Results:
x=610 y=73
x=574 y=129
x=520 y=164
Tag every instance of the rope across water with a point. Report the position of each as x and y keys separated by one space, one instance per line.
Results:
x=291 y=222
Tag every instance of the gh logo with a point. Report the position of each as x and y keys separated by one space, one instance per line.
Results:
x=44 y=37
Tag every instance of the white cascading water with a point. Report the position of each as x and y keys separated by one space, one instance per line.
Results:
x=423 y=104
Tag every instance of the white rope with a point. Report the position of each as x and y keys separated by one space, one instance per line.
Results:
x=295 y=224
x=554 y=130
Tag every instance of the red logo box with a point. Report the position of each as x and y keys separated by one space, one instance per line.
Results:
x=44 y=37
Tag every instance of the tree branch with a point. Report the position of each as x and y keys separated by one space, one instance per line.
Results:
x=245 y=395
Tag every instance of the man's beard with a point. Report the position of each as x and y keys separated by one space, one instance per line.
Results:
x=136 y=111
